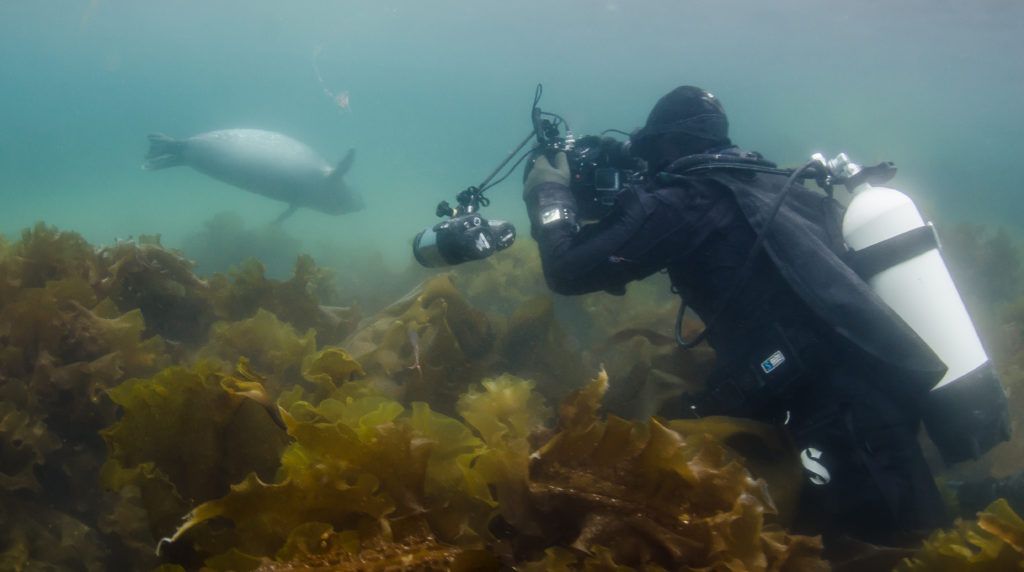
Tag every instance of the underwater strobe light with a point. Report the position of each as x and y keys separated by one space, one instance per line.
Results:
x=465 y=236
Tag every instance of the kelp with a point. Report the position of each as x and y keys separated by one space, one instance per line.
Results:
x=993 y=542
x=367 y=482
x=420 y=439
x=161 y=284
x=535 y=346
x=500 y=284
x=432 y=342
x=45 y=254
x=651 y=371
x=25 y=443
x=34 y=537
x=506 y=414
x=198 y=428
x=273 y=347
x=354 y=463
x=654 y=497
x=245 y=290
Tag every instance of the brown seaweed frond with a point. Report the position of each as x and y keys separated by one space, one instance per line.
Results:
x=653 y=496
x=453 y=344
x=995 y=541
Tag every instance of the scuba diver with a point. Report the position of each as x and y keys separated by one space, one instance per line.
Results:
x=801 y=340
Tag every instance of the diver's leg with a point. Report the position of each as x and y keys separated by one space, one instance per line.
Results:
x=866 y=476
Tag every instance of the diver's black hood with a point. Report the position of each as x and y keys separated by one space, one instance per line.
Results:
x=693 y=116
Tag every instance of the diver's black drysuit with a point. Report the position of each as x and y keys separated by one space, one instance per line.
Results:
x=802 y=341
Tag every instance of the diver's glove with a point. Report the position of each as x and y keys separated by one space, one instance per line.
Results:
x=546 y=191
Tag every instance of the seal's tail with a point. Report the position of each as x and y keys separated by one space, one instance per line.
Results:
x=164 y=152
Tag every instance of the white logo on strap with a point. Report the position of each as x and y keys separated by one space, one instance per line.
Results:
x=819 y=475
x=482 y=244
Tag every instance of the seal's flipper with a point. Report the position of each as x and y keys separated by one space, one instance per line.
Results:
x=164 y=152
x=344 y=165
x=287 y=213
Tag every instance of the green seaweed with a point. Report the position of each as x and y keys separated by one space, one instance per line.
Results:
x=418 y=439
x=273 y=347
x=34 y=537
x=431 y=342
x=184 y=438
x=161 y=284
x=25 y=444
x=297 y=301
x=994 y=542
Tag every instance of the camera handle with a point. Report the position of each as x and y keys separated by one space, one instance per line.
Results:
x=471 y=199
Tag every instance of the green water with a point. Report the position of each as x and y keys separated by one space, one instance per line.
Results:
x=440 y=91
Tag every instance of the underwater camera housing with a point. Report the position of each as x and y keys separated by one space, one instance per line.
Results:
x=601 y=168
x=465 y=236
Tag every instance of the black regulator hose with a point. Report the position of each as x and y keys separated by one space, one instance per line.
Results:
x=748 y=265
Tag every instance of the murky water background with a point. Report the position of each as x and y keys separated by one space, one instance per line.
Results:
x=137 y=397
x=439 y=91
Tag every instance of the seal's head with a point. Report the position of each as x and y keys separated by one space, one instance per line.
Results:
x=686 y=121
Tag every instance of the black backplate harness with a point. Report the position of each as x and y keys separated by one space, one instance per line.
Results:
x=754 y=163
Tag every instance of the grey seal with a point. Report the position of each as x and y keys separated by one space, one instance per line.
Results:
x=263 y=162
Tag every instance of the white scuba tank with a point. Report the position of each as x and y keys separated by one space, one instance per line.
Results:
x=897 y=253
x=919 y=288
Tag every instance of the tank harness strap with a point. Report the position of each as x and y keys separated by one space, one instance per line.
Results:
x=867 y=262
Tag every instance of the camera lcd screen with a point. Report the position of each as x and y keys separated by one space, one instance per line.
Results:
x=606 y=180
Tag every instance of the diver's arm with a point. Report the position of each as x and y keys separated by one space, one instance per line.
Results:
x=601 y=256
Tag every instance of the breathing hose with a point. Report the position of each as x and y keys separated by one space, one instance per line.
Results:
x=748 y=265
